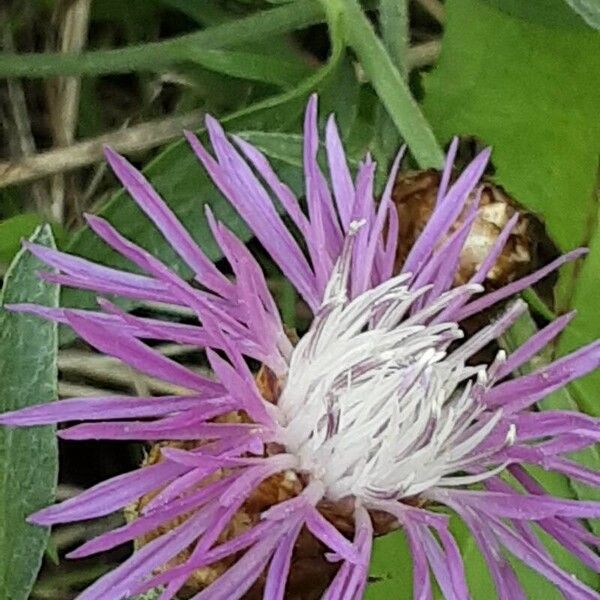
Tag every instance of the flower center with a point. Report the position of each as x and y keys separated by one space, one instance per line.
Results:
x=374 y=404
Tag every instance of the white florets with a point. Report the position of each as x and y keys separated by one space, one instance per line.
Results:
x=373 y=405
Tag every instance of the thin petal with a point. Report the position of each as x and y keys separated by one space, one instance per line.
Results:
x=133 y=352
x=110 y=495
x=517 y=286
x=446 y=214
x=106 y=407
x=518 y=394
x=177 y=236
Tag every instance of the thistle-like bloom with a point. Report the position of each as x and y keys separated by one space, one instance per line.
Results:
x=376 y=410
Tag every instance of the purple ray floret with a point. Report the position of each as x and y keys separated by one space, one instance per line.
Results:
x=380 y=407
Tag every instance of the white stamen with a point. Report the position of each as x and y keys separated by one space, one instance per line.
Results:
x=511 y=436
x=374 y=406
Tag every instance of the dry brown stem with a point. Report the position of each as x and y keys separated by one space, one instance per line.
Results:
x=64 y=92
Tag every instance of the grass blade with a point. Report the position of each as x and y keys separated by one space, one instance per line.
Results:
x=391 y=88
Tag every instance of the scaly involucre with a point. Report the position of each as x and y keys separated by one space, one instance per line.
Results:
x=379 y=405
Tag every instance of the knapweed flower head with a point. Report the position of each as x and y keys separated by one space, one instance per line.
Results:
x=377 y=411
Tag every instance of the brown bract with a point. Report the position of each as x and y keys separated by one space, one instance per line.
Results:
x=415 y=195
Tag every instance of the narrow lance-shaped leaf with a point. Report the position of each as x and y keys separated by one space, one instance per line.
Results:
x=28 y=457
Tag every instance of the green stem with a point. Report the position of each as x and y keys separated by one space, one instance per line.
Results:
x=537 y=305
x=388 y=82
x=159 y=55
x=393 y=20
x=393 y=16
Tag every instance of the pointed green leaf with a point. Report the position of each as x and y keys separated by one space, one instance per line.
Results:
x=28 y=457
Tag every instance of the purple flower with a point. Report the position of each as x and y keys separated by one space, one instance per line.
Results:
x=378 y=407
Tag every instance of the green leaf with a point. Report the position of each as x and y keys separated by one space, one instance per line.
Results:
x=551 y=13
x=394 y=21
x=286 y=147
x=19 y=227
x=28 y=457
x=13 y=230
x=391 y=88
x=156 y=56
x=390 y=572
x=511 y=83
x=205 y=12
x=252 y=66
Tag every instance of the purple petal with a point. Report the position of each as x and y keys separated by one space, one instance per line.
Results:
x=574 y=471
x=318 y=202
x=323 y=530
x=507 y=584
x=570 y=586
x=110 y=495
x=133 y=352
x=363 y=540
x=530 y=348
x=238 y=579
x=185 y=428
x=441 y=268
x=172 y=492
x=517 y=286
x=107 y=287
x=386 y=242
x=145 y=524
x=199 y=301
x=118 y=583
x=447 y=172
x=245 y=265
x=108 y=407
x=281 y=190
x=249 y=479
x=572 y=542
x=421 y=578
x=531 y=425
x=244 y=392
x=225 y=448
x=94 y=276
x=162 y=216
x=341 y=179
x=446 y=214
x=182 y=572
x=410 y=514
x=239 y=185
x=280 y=564
x=518 y=394
x=455 y=563
x=140 y=327
x=490 y=260
x=438 y=561
x=362 y=271
x=518 y=506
